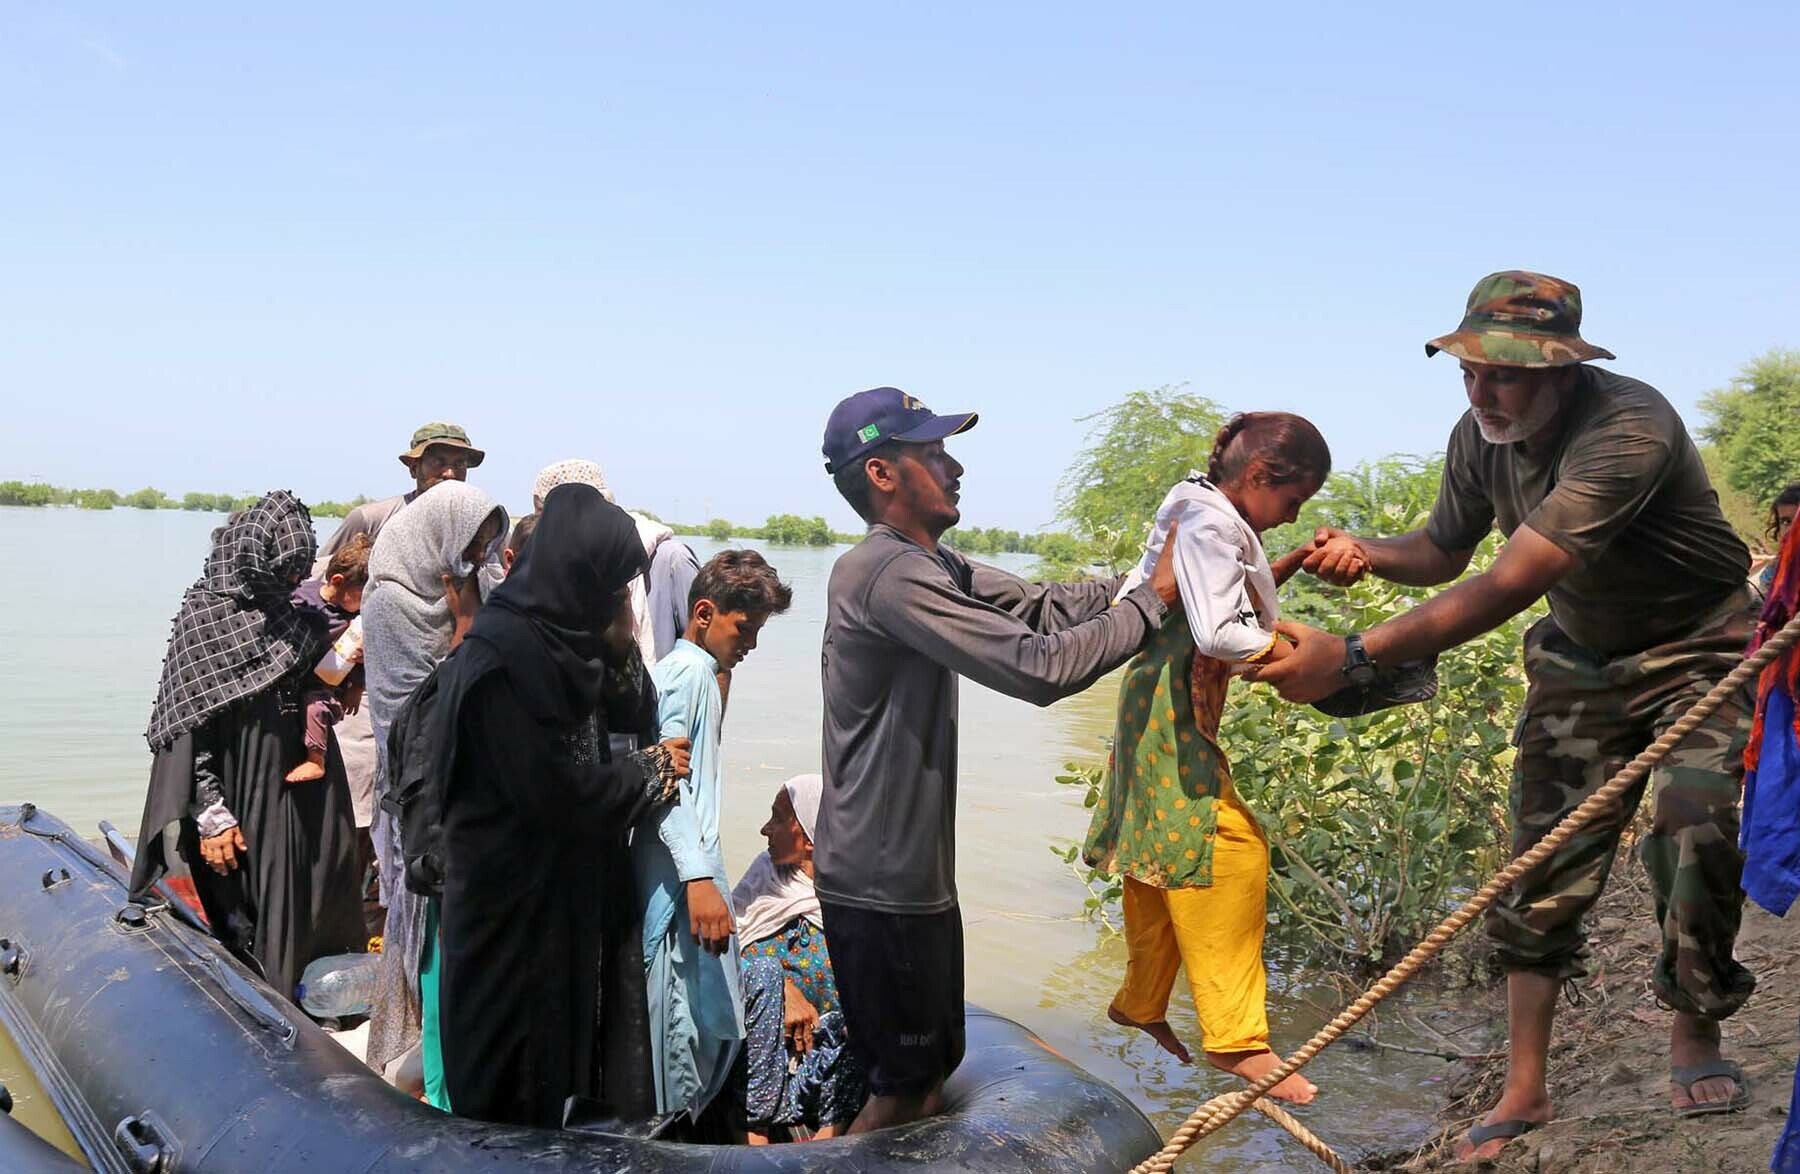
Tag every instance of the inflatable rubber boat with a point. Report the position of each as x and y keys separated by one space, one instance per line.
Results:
x=161 y=1052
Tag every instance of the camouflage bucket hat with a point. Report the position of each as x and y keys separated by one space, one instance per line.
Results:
x=1520 y=319
x=440 y=433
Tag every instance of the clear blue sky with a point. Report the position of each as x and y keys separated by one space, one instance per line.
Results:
x=244 y=246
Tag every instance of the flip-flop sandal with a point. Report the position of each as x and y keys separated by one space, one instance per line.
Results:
x=1688 y=1075
x=1509 y=1129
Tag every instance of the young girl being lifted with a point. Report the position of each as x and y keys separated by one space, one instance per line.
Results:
x=1194 y=859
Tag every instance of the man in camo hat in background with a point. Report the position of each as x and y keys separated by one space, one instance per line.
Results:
x=1606 y=509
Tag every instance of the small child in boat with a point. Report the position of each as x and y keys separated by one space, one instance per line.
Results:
x=1194 y=859
x=515 y=542
x=336 y=599
x=690 y=944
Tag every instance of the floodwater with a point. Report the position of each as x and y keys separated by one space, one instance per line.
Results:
x=92 y=594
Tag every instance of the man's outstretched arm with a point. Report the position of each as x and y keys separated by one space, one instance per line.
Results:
x=918 y=605
x=1528 y=566
x=1413 y=559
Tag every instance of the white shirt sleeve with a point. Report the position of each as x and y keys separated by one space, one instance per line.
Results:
x=1215 y=593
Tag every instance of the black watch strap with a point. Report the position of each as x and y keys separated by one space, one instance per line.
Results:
x=1358 y=668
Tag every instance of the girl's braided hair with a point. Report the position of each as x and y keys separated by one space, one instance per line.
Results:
x=1282 y=447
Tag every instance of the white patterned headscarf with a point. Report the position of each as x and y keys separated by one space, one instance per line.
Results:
x=571 y=472
x=406 y=620
x=767 y=899
x=804 y=792
x=651 y=532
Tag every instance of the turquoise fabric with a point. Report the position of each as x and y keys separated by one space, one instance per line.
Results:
x=431 y=1047
x=696 y=1002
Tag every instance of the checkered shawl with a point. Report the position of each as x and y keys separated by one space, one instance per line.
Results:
x=236 y=633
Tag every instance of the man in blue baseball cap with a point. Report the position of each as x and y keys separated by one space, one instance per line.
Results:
x=872 y=419
x=904 y=618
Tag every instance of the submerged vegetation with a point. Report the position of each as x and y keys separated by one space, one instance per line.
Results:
x=794 y=530
x=37 y=493
x=778 y=529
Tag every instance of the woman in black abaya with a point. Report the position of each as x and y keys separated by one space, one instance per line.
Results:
x=542 y=983
x=274 y=862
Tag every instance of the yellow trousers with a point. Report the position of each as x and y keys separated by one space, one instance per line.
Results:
x=1216 y=933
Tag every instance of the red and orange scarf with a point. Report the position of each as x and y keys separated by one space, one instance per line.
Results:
x=1784 y=670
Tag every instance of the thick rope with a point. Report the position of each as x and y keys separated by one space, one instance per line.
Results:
x=1220 y=1110
x=1303 y=1135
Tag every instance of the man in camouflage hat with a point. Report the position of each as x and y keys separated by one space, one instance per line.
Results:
x=438 y=452
x=1606 y=509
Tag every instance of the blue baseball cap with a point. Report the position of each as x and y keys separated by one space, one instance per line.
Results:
x=869 y=419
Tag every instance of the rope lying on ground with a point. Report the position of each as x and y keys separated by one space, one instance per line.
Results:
x=1217 y=1112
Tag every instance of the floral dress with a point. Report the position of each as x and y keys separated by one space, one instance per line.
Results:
x=782 y=1088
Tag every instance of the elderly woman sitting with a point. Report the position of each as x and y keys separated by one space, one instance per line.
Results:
x=799 y=1075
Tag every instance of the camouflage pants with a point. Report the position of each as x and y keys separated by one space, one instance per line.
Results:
x=1585 y=717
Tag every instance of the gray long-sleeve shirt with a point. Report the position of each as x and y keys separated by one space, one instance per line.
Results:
x=901 y=625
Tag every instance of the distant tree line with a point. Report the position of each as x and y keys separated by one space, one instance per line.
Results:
x=994 y=540
x=778 y=530
x=36 y=493
x=794 y=530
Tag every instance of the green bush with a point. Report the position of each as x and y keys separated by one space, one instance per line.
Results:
x=335 y=509
x=1751 y=423
x=720 y=530
x=996 y=540
x=32 y=493
x=149 y=498
x=794 y=530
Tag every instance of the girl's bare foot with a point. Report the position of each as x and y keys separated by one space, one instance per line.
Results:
x=1160 y=1031
x=1253 y=1066
x=307 y=772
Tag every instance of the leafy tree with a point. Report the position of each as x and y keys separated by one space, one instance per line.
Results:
x=794 y=530
x=1136 y=449
x=96 y=499
x=1750 y=520
x=1059 y=549
x=149 y=498
x=31 y=493
x=720 y=530
x=1755 y=425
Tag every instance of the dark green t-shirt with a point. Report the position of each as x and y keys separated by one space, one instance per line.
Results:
x=1621 y=488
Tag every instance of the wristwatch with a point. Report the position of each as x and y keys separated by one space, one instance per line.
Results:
x=1358 y=668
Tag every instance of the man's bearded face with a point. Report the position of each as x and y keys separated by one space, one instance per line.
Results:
x=1514 y=403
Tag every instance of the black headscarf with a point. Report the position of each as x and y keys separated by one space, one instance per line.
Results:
x=237 y=632
x=548 y=619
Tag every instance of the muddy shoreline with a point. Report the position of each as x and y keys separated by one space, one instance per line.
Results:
x=1609 y=1061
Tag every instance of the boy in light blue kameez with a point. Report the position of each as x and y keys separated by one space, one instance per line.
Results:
x=690 y=951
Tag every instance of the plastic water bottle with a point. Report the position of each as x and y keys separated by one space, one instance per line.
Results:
x=339 y=986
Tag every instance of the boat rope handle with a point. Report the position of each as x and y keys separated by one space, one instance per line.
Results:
x=1215 y=1113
